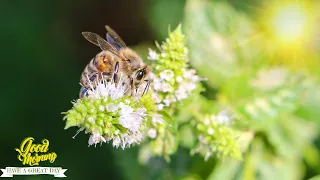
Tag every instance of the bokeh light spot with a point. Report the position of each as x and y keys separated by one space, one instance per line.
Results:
x=290 y=23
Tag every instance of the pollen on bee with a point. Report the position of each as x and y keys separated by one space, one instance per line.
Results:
x=105 y=63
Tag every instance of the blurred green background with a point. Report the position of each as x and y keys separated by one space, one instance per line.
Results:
x=43 y=54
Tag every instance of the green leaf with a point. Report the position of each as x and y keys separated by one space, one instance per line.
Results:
x=315 y=178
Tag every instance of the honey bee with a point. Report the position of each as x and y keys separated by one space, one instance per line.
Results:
x=114 y=59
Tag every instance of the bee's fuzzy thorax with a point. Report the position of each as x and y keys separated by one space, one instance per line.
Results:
x=135 y=60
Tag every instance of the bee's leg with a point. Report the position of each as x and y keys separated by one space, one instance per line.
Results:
x=83 y=92
x=98 y=75
x=132 y=87
x=93 y=76
x=145 y=91
x=115 y=72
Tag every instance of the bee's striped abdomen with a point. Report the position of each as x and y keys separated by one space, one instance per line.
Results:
x=89 y=71
x=103 y=62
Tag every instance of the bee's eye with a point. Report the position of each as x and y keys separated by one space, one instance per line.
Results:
x=140 y=74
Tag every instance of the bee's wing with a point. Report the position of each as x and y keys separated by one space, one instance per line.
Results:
x=114 y=38
x=106 y=46
x=91 y=37
x=103 y=44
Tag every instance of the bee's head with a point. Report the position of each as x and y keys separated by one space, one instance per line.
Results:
x=136 y=69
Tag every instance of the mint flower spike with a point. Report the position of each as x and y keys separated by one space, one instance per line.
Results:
x=215 y=137
x=107 y=113
x=173 y=79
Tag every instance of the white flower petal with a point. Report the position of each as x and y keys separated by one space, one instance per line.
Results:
x=107 y=89
x=152 y=55
x=125 y=110
x=166 y=75
x=160 y=106
x=132 y=122
x=181 y=94
x=157 y=118
x=169 y=99
x=91 y=119
x=152 y=133
x=101 y=108
x=165 y=87
x=141 y=111
x=116 y=142
x=95 y=138
x=157 y=84
x=111 y=107
x=188 y=73
x=179 y=79
x=224 y=117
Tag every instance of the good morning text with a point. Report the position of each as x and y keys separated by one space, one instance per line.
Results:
x=31 y=154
